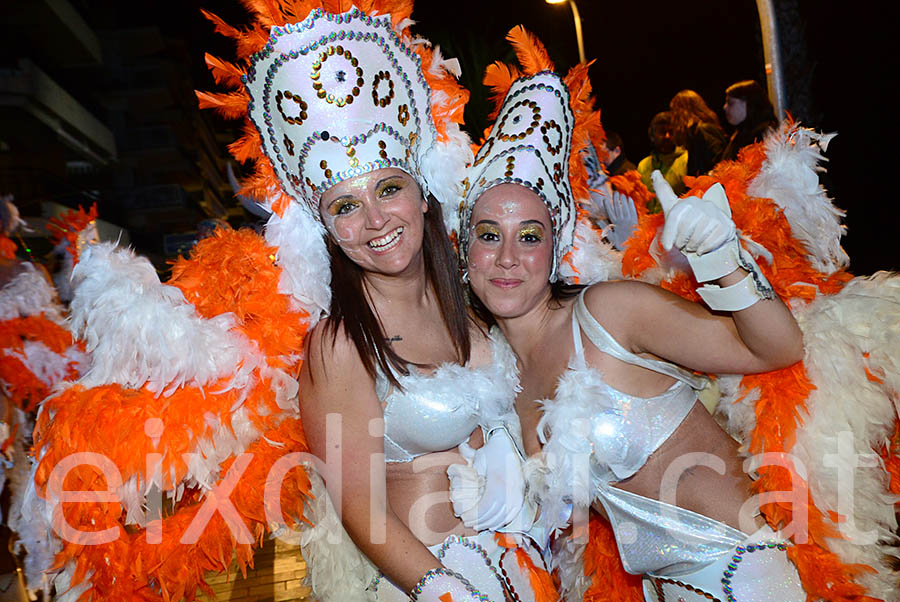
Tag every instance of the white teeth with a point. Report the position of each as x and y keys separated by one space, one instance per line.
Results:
x=386 y=240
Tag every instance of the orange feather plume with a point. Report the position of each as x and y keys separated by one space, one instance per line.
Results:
x=530 y=51
x=230 y=271
x=68 y=225
x=499 y=77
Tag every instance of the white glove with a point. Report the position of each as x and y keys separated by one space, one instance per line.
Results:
x=488 y=492
x=694 y=226
x=702 y=229
x=622 y=216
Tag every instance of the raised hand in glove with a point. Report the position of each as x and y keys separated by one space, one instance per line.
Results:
x=702 y=229
x=622 y=215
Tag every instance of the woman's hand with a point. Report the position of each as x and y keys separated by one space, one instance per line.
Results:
x=702 y=229
x=488 y=492
x=695 y=226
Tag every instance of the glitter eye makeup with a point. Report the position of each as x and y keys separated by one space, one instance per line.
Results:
x=532 y=233
x=390 y=186
x=341 y=206
x=485 y=231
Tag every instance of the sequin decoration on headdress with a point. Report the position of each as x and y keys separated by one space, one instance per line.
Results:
x=543 y=122
x=338 y=95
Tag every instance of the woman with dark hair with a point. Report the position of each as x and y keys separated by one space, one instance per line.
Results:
x=605 y=404
x=697 y=129
x=749 y=111
x=398 y=378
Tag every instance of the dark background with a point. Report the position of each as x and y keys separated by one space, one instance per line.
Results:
x=840 y=73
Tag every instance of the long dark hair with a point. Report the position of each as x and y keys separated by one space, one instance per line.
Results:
x=760 y=117
x=350 y=308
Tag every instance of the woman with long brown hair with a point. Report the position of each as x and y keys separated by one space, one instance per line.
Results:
x=358 y=125
x=697 y=129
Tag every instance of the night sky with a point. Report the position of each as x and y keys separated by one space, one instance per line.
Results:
x=646 y=52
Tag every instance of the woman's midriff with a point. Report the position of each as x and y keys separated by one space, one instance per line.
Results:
x=419 y=495
x=699 y=468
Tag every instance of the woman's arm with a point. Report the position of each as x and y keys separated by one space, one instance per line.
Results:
x=334 y=381
x=647 y=318
x=751 y=329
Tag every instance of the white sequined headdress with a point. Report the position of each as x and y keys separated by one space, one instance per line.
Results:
x=529 y=145
x=329 y=96
x=334 y=96
x=543 y=122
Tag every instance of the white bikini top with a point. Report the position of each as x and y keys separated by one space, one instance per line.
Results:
x=438 y=411
x=590 y=427
x=629 y=428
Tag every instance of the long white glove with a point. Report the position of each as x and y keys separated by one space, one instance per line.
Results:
x=488 y=491
x=702 y=229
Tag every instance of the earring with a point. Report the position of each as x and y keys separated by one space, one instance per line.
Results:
x=465 y=276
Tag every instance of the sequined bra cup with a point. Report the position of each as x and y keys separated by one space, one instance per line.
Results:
x=628 y=428
x=438 y=411
x=621 y=433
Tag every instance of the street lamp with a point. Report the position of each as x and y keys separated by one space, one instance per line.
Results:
x=577 y=25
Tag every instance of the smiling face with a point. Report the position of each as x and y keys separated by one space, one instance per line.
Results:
x=510 y=250
x=377 y=219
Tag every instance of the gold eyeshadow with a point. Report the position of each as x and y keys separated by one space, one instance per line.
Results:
x=338 y=207
x=482 y=228
x=535 y=230
x=395 y=182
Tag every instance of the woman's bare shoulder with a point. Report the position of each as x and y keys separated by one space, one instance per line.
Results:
x=330 y=354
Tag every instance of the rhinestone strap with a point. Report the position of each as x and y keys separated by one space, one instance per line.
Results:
x=739 y=553
x=434 y=574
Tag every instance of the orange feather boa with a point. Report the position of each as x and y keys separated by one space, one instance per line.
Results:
x=230 y=271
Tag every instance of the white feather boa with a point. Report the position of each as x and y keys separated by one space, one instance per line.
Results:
x=592 y=258
x=29 y=294
x=336 y=570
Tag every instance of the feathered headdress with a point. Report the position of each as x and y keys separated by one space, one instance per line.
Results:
x=69 y=227
x=331 y=90
x=543 y=123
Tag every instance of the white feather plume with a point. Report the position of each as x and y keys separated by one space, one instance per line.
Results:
x=141 y=332
x=592 y=259
x=443 y=168
x=850 y=418
x=303 y=259
x=789 y=176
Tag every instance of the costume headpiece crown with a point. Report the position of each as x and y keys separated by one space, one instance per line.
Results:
x=337 y=95
x=542 y=123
